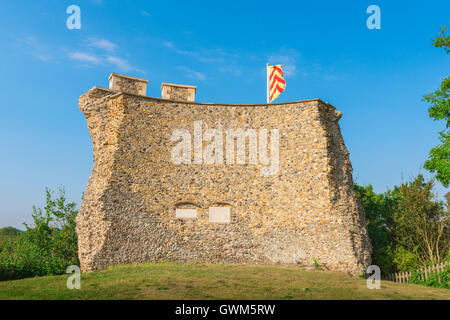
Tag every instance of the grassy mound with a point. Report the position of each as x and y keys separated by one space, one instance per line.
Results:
x=167 y=280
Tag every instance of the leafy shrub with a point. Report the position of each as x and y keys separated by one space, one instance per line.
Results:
x=48 y=247
x=435 y=279
x=7 y=241
x=9 y=231
x=379 y=208
x=421 y=224
x=405 y=260
x=407 y=226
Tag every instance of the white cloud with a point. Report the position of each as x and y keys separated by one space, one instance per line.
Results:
x=145 y=13
x=32 y=42
x=90 y=55
x=211 y=59
x=36 y=48
x=107 y=45
x=225 y=62
x=193 y=74
x=286 y=57
x=330 y=77
x=217 y=55
x=334 y=76
x=43 y=57
x=102 y=44
x=231 y=69
x=120 y=63
x=170 y=45
x=327 y=72
x=85 y=57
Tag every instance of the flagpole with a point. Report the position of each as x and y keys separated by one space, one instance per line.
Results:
x=267 y=86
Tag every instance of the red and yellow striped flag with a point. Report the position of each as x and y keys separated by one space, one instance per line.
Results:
x=276 y=83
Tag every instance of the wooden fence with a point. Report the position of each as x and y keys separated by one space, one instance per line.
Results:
x=404 y=277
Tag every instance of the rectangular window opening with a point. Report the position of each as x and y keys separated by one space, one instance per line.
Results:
x=186 y=213
x=219 y=214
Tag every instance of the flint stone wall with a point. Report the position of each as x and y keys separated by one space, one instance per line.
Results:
x=307 y=211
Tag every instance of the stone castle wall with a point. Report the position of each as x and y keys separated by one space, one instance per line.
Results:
x=305 y=211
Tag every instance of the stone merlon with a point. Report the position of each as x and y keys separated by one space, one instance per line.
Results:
x=127 y=84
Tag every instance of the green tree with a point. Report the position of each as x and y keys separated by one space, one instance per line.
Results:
x=439 y=157
x=55 y=229
x=407 y=227
x=47 y=247
x=10 y=231
x=442 y=40
x=8 y=237
x=420 y=224
x=405 y=260
x=379 y=210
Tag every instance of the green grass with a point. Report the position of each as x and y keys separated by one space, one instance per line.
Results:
x=167 y=280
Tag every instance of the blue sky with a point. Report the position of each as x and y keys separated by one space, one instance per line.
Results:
x=375 y=77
